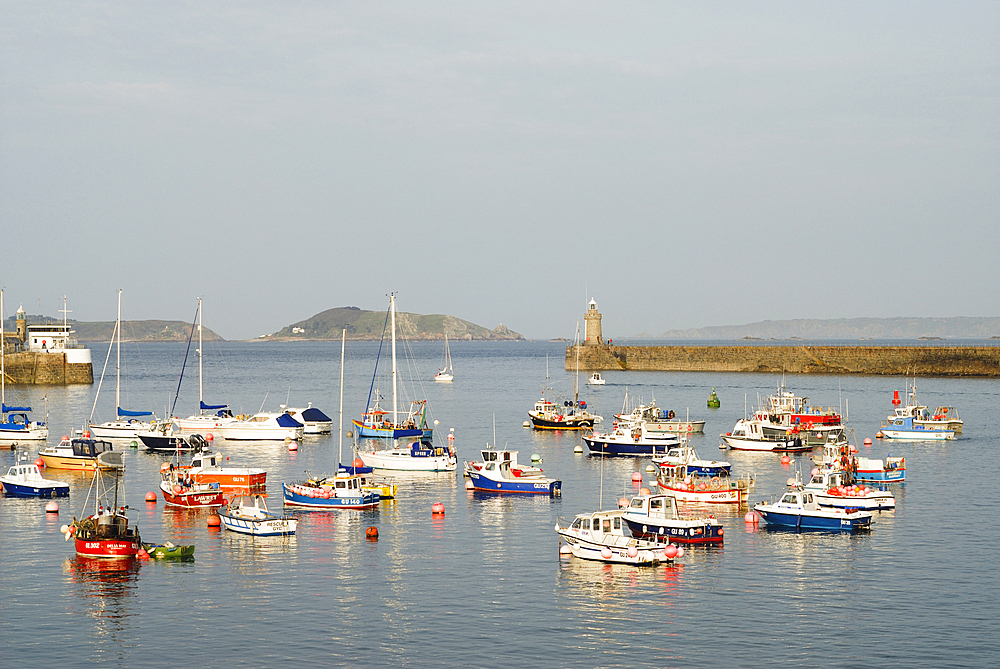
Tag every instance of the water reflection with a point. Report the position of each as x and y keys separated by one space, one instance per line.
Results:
x=613 y=588
x=109 y=591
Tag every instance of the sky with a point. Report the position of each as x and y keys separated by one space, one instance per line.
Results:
x=684 y=164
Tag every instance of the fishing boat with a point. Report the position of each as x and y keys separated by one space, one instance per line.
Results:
x=831 y=488
x=905 y=428
x=169 y=551
x=630 y=439
x=248 y=514
x=106 y=532
x=375 y=421
x=75 y=453
x=686 y=455
x=596 y=379
x=799 y=510
x=601 y=536
x=342 y=491
x=689 y=485
x=127 y=424
x=500 y=473
x=750 y=435
x=209 y=467
x=262 y=426
x=174 y=443
x=179 y=489
x=447 y=373
x=943 y=417
x=14 y=422
x=659 y=420
x=24 y=480
x=218 y=414
x=490 y=455
x=869 y=470
x=655 y=518
x=567 y=414
x=313 y=420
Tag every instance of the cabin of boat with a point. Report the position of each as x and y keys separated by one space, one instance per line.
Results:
x=656 y=517
x=75 y=453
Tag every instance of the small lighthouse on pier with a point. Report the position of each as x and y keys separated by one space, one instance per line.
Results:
x=593 y=324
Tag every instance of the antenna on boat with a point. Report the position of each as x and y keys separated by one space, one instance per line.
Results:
x=494 y=430
x=262 y=402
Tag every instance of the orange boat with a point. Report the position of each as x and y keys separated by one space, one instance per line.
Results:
x=207 y=467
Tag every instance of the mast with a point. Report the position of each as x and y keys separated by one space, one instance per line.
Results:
x=3 y=353
x=340 y=446
x=576 y=379
x=118 y=357
x=200 y=396
x=392 y=309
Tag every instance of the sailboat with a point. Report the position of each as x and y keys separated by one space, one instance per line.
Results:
x=343 y=491
x=447 y=373
x=204 y=421
x=126 y=426
x=375 y=423
x=14 y=422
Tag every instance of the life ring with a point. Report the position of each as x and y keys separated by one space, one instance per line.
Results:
x=715 y=481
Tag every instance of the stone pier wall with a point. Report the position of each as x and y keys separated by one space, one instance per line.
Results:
x=881 y=360
x=45 y=369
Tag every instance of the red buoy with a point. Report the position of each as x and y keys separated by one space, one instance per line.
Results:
x=358 y=462
x=437 y=508
x=151 y=497
x=209 y=437
x=895 y=398
x=40 y=463
x=371 y=533
x=785 y=459
x=142 y=554
x=214 y=520
x=670 y=552
x=52 y=507
x=636 y=477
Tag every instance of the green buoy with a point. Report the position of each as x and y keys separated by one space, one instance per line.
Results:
x=713 y=400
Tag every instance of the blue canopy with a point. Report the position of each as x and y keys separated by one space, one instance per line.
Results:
x=213 y=406
x=7 y=409
x=314 y=414
x=284 y=420
x=125 y=412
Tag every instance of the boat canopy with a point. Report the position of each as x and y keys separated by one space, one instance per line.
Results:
x=211 y=407
x=314 y=414
x=7 y=409
x=90 y=447
x=284 y=420
x=125 y=412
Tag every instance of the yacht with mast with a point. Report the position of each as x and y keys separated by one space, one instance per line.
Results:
x=204 y=421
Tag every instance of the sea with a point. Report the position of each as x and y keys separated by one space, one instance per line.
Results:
x=484 y=585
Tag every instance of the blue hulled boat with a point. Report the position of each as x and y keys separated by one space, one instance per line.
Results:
x=799 y=510
x=500 y=472
x=631 y=439
x=342 y=491
x=24 y=480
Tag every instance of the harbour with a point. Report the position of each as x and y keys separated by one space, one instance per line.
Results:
x=488 y=568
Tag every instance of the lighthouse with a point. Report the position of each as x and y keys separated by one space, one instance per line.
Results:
x=593 y=321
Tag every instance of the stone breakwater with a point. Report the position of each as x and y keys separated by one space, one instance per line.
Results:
x=46 y=369
x=881 y=360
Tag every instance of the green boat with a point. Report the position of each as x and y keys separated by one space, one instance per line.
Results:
x=169 y=551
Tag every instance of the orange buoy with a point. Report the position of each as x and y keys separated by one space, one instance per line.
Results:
x=785 y=459
x=52 y=507
x=623 y=502
x=214 y=520
x=437 y=508
x=209 y=437
x=636 y=477
x=670 y=552
x=358 y=462
x=644 y=491
x=40 y=463
x=371 y=533
x=293 y=446
x=142 y=554
x=151 y=497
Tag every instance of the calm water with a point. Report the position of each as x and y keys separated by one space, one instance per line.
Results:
x=484 y=585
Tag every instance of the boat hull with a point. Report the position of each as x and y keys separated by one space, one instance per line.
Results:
x=164 y=552
x=168 y=444
x=371 y=432
x=627 y=447
x=830 y=522
x=726 y=495
x=567 y=423
x=787 y=446
x=119 y=429
x=530 y=485
x=404 y=461
x=588 y=550
x=918 y=435
x=683 y=532
x=241 y=433
x=192 y=499
x=35 y=434
x=68 y=462
x=266 y=527
x=293 y=496
x=252 y=481
x=123 y=549
x=11 y=489
x=676 y=427
x=882 y=475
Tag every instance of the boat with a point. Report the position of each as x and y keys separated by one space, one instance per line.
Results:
x=342 y=491
x=713 y=400
x=943 y=417
x=106 y=532
x=799 y=510
x=447 y=373
x=174 y=443
x=169 y=551
x=601 y=536
x=202 y=422
x=759 y=434
x=686 y=455
x=14 y=422
x=689 y=485
x=75 y=453
x=869 y=470
x=838 y=489
x=569 y=414
x=410 y=455
x=24 y=480
x=127 y=424
x=248 y=514
x=313 y=420
x=655 y=517
x=262 y=426
x=630 y=439
x=180 y=489
x=375 y=421
x=209 y=467
x=786 y=410
x=500 y=473
x=596 y=379
x=907 y=429
x=659 y=420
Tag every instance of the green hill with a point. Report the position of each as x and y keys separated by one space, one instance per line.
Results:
x=131 y=330
x=362 y=324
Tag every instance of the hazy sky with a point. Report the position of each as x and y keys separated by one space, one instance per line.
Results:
x=687 y=164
